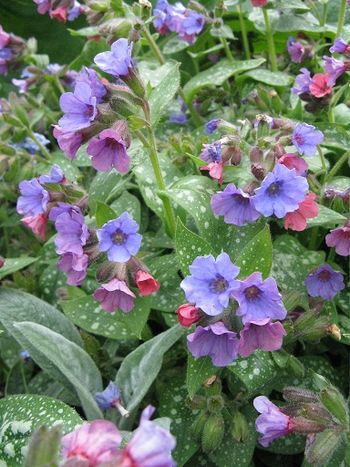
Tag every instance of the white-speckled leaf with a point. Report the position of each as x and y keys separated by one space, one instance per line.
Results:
x=272 y=78
x=15 y=264
x=104 y=186
x=175 y=45
x=70 y=360
x=87 y=314
x=292 y=444
x=198 y=371
x=127 y=202
x=327 y=218
x=21 y=414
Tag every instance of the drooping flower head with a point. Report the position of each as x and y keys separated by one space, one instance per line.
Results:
x=340 y=46
x=34 y=198
x=235 y=205
x=37 y=224
x=335 y=68
x=115 y=295
x=215 y=341
x=272 y=423
x=280 y=192
x=74 y=266
x=119 y=238
x=187 y=314
x=118 y=61
x=307 y=209
x=296 y=50
x=302 y=82
x=212 y=152
x=292 y=161
x=211 y=283
x=146 y=283
x=212 y=126
x=319 y=86
x=306 y=139
x=72 y=232
x=56 y=175
x=108 y=151
x=259 y=299
x=68 y=141
x=263 y=335
x=324 y=282
x=92 y=443
x=109 y=397
x=340 y=239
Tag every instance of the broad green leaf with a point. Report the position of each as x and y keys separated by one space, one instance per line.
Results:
x=272 y=78
x=256 y=255
x=104 y=213
x=104 y=186
x=71 y=172
x=15 y=264
x=218 y=74
x=175 y=45
x=336 y=136
x=74 y=364
x=326 y=218
x=189 y=246
x=163 y=94
x=44 y=447
x=327 y=449
x=128 y=202
x=87 y=314
x=152 y=73
x=292 y=444
x=20 y=415
x=223 y=31
x=198 y=371
x=141 y=367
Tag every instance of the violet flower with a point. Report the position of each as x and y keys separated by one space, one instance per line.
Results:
x=72 y=233
x=272 y=423
x=115 y=295
x=56 y=175
x=118 y=61
x=340 y=239
x=212 y=126
x=108 y=397
x=68 y=141
x=34 y=198
x=108 y=151
x=324 y=282
x=296 y=50
x=302 y=82
x=335 y=68
x=75 y=267
x=263 y=335
x=339 y=46
x=306 y=138
x=89 y=76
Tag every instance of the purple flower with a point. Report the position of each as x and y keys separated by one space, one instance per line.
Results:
x=335 y=68
x=306 y=138
x=340 y=239
x=74 y=266
x=33 y=199
x=108 y=151
x=4 y=38
x=161 y=16
x=211 y=152
x=68 y=141
x=296 y=50
x=56 y=175
x=191 y=25
x=280 y=192
x=150 y=445
x=215 y=341
x=272 y=423
x=211 y=283
x=263 y=335
x=74 y=12
x=324 y=282
x=89 y=76
x=60 y=208
x=235 y=205
x=109 y=397
x=43 y=6
x=259 y=299
x=79 y=108
x=72 y=233
x=212 y=126
x=302 y=82
x=119 y=238
x=179 y=118
x=339 y=46
x=115 y=295
x=5 y=56
x=118 y=61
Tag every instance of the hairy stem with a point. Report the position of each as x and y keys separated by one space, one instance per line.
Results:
x=243 y=31
x=270 y=41
x=341 y=17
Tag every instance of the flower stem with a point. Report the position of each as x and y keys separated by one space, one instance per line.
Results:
x=270 y=42
x=338 y=165
x=243 y=31
x=341 y=17
x=158 y=54
x=227 y=49
x=323 y=162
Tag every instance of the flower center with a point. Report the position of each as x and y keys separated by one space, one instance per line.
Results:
x=274 y=189
x=252 y=293
x=219 y=284
x=119 y=237
x=324 y=276
x=298 y=139
x=240 y=199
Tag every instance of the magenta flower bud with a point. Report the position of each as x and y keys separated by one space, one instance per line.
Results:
x=37 y=224
x=263 y=335
x=115 y=295
x=272 y=423
x=108 y=151
x=324 y=282
x=340 y=239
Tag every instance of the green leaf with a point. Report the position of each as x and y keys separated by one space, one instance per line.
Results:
x=272 y=78
x=292 y=444
x=104 y=186
x=74 y=364
x=218 y=74
x=87 y=314
x=87 y=55
x=15 y=264
x=223 y=31
x=127 y=202
x=104 y=213
x=152 y=73
x=326 y=218
x=175 y=45
x=20 y=415
x=189 y=246
x=44 y=447
x=71 y=172
x=141 y=367
x=256 y=255
x=198 y=371
x=164 y=93
x=327 y=449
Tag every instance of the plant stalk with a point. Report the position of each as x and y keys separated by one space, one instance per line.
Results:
x=270 y=41
x=243 y=31
x=341 y=18
x=337 y=166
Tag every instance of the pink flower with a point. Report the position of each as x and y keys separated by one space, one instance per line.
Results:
x=68 y=141
x=292 y=161
x=37 y=224
x=307 y=209
x=108 y=151
x=91 y=444
x=115 y=295
x=60 y=13
x=75 y=267
x=4 y=38
x=187 y=315
x=259 y=3
x=216 y=170
x=146 y=283
x=319 y=86
x=263 y=335
x=340 y=239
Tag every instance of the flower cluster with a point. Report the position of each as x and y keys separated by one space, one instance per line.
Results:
x=11 y=49
x=177 y=18
x=234 y=317
x=61 y=10
x=98 y=442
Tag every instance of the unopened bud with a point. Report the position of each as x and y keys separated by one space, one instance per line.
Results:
x=258 y=171
x=240 y=428
x=292 y=394
x=303 y=425
x=213 y=432
x=334 y=331
x=215 y=403
x=311 y=326
x=109 y=270
x=232 y=155
x=335 y=403
x=198 y=425
x=256 y=154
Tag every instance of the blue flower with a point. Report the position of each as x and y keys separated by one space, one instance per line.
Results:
x=56 y=175
x=280 y=192
x=118 y=61
x=109 y=397
x=324 y=282
x=306 y=138
x=211 y=152
x=211 y=283
x=212 y=126
x=33 y=199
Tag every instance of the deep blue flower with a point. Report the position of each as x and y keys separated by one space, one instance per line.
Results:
x=212 y=126
x=109 y=397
